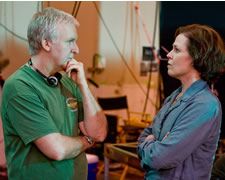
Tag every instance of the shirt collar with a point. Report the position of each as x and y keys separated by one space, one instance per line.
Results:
x=193 y=89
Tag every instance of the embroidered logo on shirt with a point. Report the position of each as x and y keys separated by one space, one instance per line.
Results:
x=72 y=104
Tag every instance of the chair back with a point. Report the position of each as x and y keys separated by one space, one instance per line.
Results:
x=114 y=103
x=112 y=129
x=111 y=103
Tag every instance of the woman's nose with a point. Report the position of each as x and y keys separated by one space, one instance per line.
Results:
x=169 y=55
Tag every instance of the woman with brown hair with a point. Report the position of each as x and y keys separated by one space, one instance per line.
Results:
x=181 y=142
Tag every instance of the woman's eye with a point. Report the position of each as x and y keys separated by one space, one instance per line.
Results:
x=176 y=50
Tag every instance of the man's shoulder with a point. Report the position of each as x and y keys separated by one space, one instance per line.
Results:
x=17 y=82
x=19 y=74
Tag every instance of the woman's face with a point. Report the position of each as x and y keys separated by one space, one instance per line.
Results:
x=180 y=62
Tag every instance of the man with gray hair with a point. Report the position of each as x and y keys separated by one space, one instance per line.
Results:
x=49 y=114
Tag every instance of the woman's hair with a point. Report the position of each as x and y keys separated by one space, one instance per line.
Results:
x=206 y=47
x=44 y=24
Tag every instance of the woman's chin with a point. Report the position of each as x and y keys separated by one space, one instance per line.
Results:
x=171 y=74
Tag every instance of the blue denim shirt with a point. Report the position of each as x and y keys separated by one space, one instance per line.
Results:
x=186 y=133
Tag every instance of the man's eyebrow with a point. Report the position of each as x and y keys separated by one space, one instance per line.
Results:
x=72 y=39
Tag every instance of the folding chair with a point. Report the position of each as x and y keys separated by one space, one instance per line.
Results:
x=130 y=130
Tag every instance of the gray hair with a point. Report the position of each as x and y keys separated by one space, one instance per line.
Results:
x=43 y=25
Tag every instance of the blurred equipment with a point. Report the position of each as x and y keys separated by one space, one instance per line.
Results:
x=3 y=168
x=98 y=65
x=148 y=63
x=148 y=66
x=92 y=166
x=98 y=147
x=93 y=82
x=128 y=132
x=3 y=62
x=148 y=54
x=123 y=153
x=132 y=122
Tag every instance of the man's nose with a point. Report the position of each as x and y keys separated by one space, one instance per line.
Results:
x=75 y=49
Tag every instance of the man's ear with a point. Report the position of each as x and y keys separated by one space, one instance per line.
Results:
x=46 y=44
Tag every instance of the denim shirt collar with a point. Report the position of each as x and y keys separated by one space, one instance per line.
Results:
x=193 y=89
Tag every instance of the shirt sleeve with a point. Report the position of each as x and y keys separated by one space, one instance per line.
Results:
x=147 y=131
x=29 y=117
x=195 y=124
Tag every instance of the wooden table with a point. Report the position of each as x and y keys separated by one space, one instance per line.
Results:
x=121 y=152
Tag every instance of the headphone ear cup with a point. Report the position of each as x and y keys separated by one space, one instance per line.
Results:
x=52 y=81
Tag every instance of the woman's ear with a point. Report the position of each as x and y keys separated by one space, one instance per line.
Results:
x=46 y=44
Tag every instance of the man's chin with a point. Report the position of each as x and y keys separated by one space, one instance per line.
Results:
x=64 y=66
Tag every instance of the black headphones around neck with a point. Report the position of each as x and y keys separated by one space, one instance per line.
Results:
x=52 y=81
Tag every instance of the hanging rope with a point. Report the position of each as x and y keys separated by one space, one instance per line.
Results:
x=76 y=8
x=119 y=52
x=40 y=6
x=122 y=77
x=125 y=29
x=11 y=32
x=151 y=43
x=137 y=42
x=156 y=58
x=147 y=34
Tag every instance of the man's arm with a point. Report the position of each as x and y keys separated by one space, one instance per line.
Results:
x=95 y=123
x=58 y=147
